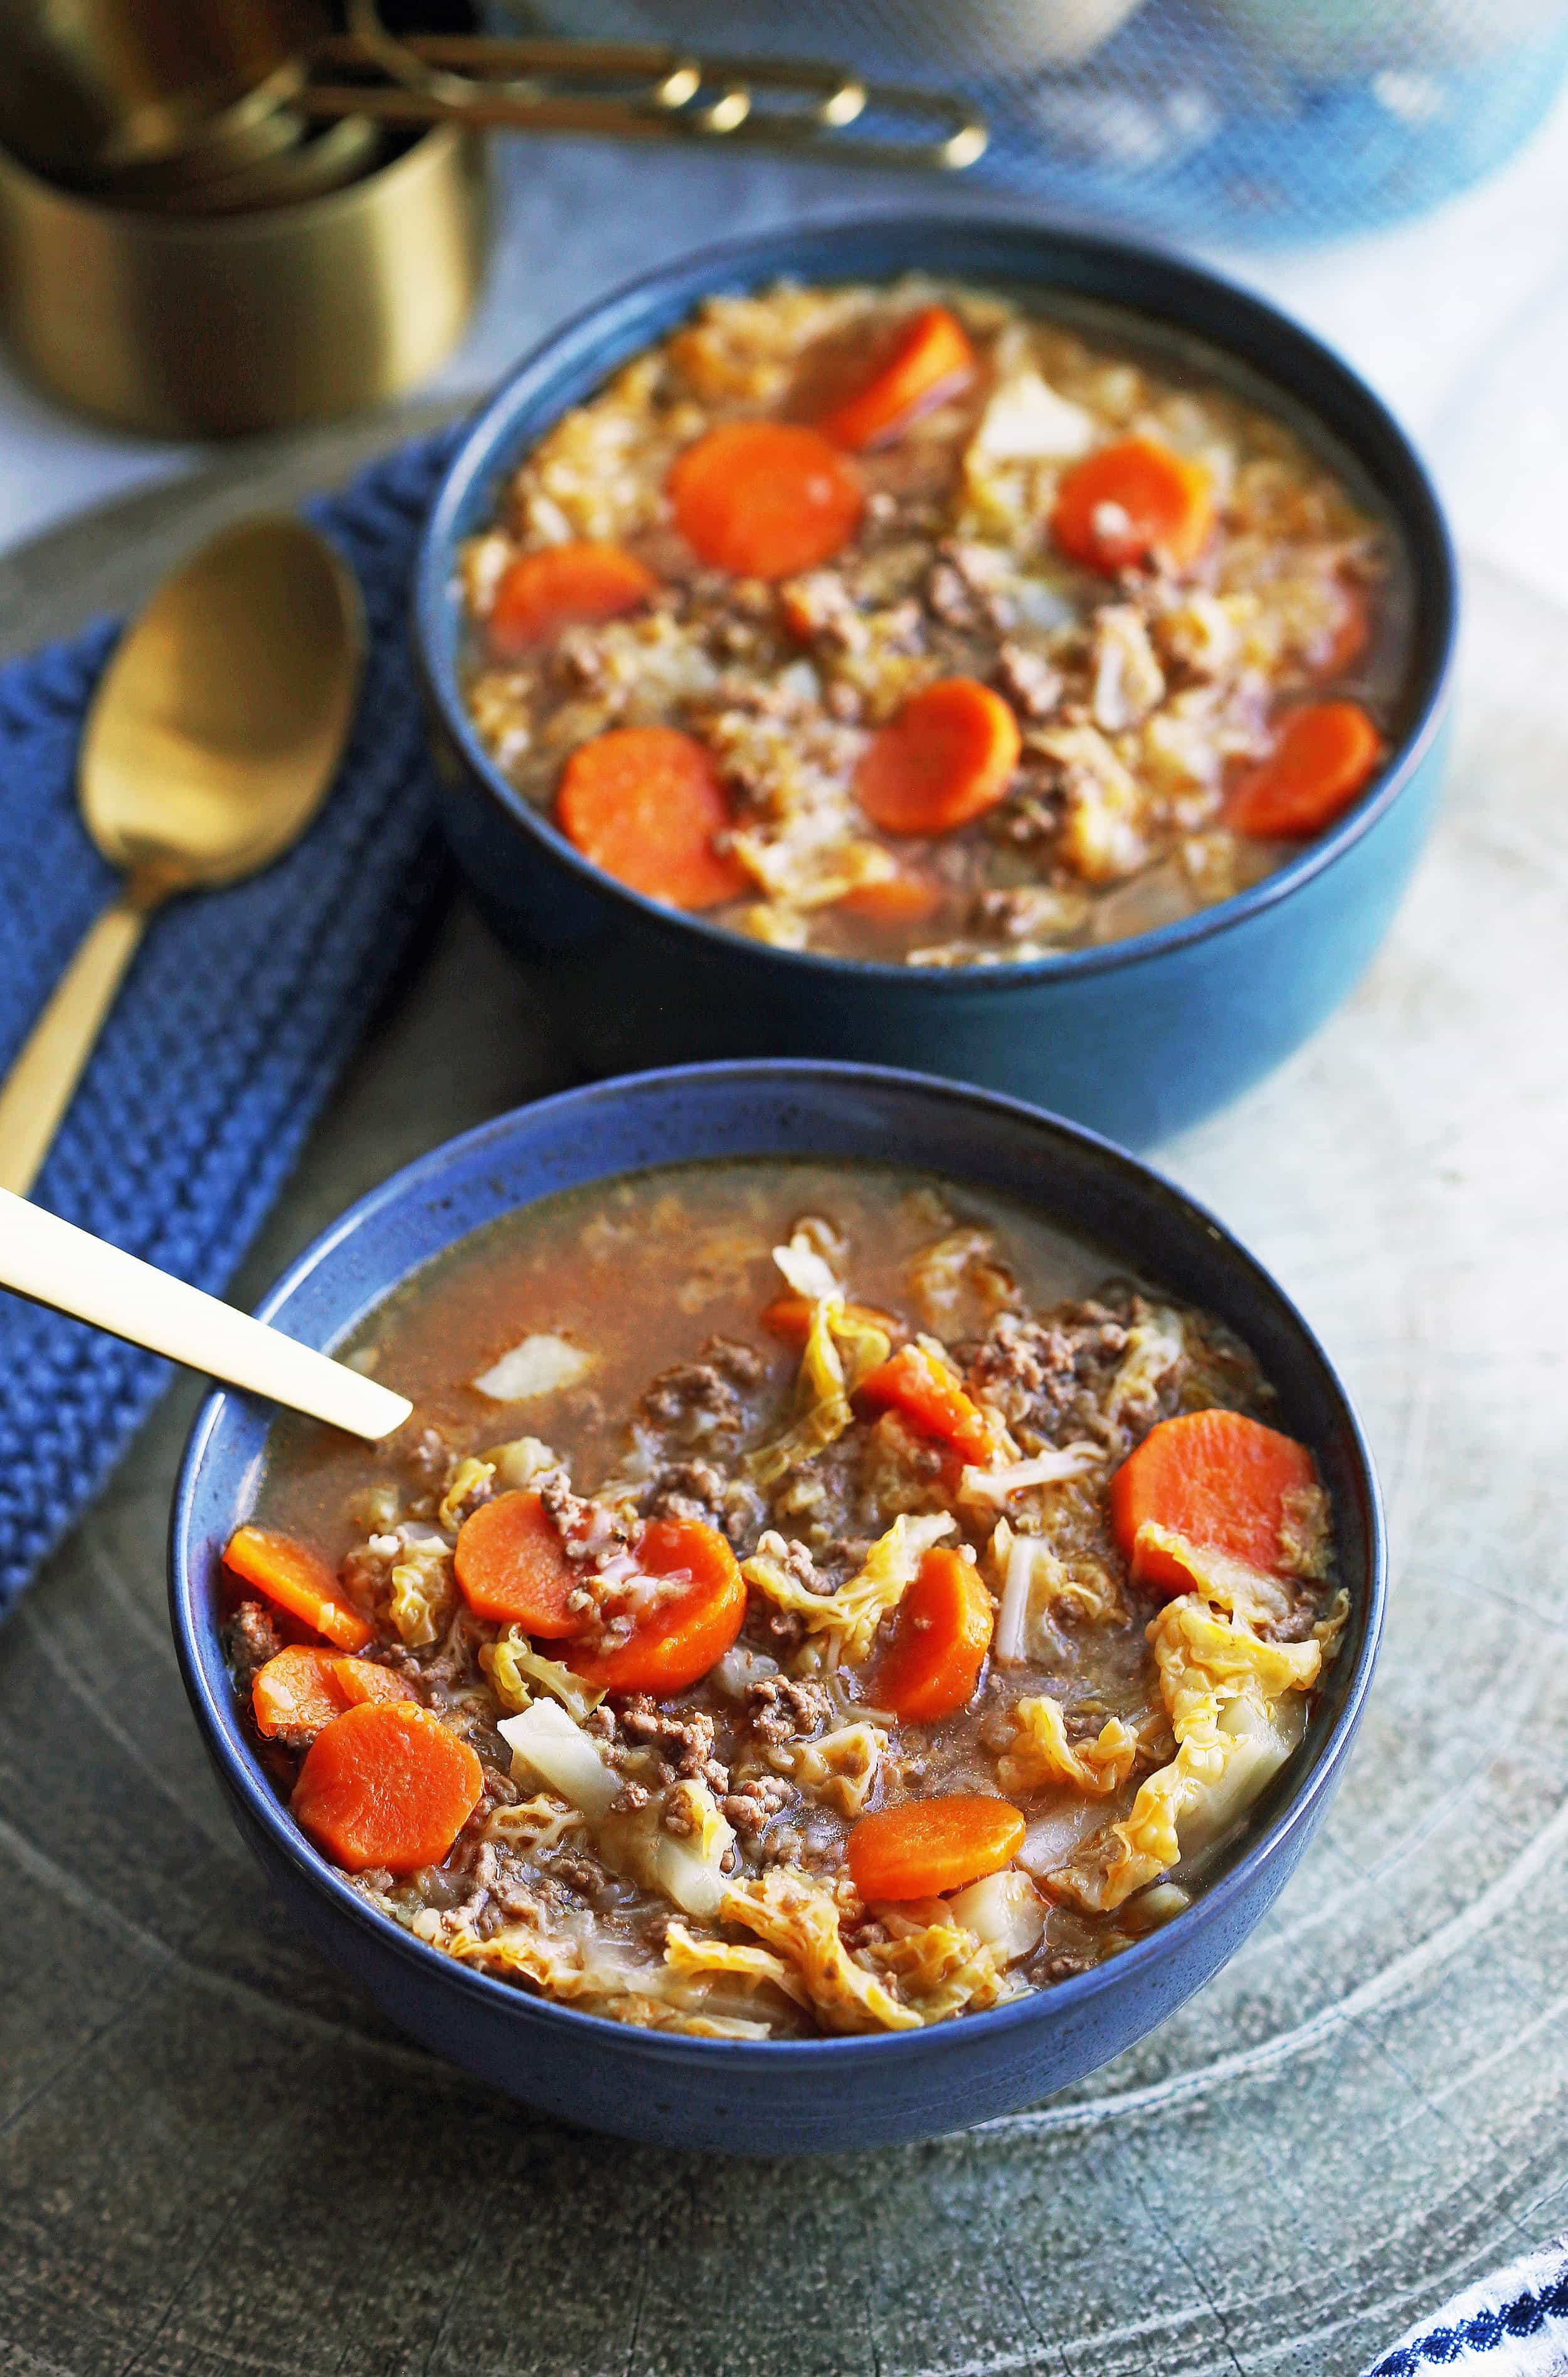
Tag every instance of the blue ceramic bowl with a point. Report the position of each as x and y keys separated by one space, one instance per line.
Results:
x=1136 y=1038
x=778 y=2096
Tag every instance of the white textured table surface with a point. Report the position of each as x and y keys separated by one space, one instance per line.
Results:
x=1459 y=319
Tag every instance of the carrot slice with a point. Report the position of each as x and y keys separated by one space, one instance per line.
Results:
x=940 y=1635
x=789 y=1316
x=363 y=1679
x=897 y=900
x=1324 y=753
x=946 y=757
x=1127 y=502
x=930 y=358
x=511 y=1566
x=564 y=586
x=1215 y=1476
x=644 y=803
x=765 y=498
x=387 y=1785
x=296 y=1691
x=915 y=1383
x=927 y=1846
x=682 y=1636
x=299 y=1581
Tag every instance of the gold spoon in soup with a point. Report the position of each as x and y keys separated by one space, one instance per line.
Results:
x=53 y=1263
x=209 y=748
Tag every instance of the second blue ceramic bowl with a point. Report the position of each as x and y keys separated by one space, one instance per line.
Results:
x=1136 y=1038
x=779 y=2097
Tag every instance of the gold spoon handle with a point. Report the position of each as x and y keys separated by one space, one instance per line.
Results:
x=57 y=1264
x=41 y=1083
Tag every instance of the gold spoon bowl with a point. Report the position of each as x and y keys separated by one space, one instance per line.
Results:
x=210 y=745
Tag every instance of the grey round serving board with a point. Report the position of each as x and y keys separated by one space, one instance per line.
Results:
x=215 y=2157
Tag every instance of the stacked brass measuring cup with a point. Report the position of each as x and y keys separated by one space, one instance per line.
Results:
x=222 y=216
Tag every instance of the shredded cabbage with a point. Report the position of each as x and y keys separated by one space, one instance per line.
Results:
x=375 y=1508
x=739 y=1669
x=1235 y=1709
x=1331 y=1625
x=842 y=1767
x=525 y=1950
x=798 y=1917
x=520 y=1461
x=467 y=1477
x=1129 y=681
x=862 y=1347
x=529 y=1825
x=1306 y=1534
x=650 y=2014
x=546 y=1742
x=1204 y=1661
x=514 y=1668
x=1154 y=1345
x=542 y=1365
x=1026 y=421
x=940 y=1969
x=808 y=1272
x=685 y=1862
x=963 y=1262
x=1040 y=1753
x=695 y=1959
x=841 y=1349
x=1161 y=1902
x=1033 y=1581
x=1028 y=1565
x=1056 y=1832
x=1230 y=1584
x=821 y=1402
x=1005 y=1912
x=1103 y=839
x=850 y=1616
x=422 y=1590
x=688 y=1867
x=1042 y=1469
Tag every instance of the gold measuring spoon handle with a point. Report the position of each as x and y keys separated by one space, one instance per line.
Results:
x=635 y=90
x=55 y=1263
x=39 y=1084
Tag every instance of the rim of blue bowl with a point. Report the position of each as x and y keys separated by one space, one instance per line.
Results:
x=218 y=1719
x=615 y=328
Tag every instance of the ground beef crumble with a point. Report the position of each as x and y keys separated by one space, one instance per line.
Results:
x=681 y=1740
x=1045 y=1373
x=753 y=1804
x=250 y=1638
x=786 y=1708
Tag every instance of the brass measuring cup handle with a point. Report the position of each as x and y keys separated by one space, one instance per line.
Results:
x=538 y=83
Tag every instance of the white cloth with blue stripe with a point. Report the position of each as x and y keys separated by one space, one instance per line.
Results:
x=1513 y=2324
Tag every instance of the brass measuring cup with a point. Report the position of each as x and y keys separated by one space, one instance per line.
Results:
x=221 y=216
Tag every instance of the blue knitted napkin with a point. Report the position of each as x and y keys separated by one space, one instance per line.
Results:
x=234 y=1022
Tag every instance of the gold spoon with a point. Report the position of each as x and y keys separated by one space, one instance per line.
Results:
x=55 y=1263
x=209 y=748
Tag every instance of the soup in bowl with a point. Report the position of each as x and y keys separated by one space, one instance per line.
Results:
x=823 y=1605
x=910 y=623
x=941 y=641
